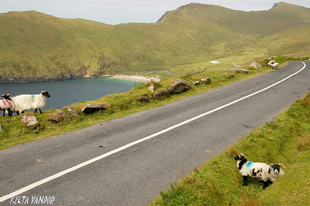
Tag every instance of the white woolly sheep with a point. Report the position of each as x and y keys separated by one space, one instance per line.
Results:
x=260 y=171
x=6 y=104
x=273 y=64
x=29 y=101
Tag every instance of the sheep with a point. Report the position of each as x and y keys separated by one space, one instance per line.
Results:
x=6 y=104
x=273 y=64
x=8 y=97
x=260 y=171
x=29 y=101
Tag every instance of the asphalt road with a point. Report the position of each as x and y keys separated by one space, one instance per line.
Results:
x=128 y=161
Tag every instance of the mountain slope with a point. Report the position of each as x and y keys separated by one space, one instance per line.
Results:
x=34 y=44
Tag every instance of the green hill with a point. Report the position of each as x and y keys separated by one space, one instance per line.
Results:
x=34 y=44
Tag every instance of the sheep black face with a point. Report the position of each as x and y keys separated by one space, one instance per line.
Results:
x=242 y=160
x=46 y=94
x=276 y=168
x=6 y=96
x=240 y=157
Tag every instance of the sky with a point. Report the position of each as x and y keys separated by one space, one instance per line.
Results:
x=125 y=11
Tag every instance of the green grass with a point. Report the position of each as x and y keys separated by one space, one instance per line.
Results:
x=218 y=182
x=284 y=140
x=14 y=132
x=33 y=44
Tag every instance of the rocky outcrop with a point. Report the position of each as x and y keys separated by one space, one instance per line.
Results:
x=143 y=98
x=255 y=65
x=206 y=80
x=72 y=111
x=230 y=75
x=29 y=120
x=161 y=94
x=179 y=86
x=242 y=71
x=59 y=116
x=197 y=82
x=91 y=108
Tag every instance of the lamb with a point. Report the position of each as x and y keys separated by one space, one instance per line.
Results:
x=260 y=171
x=29 y=101
x=6 y=104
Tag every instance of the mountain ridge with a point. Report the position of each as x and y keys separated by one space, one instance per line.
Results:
x=37 y=45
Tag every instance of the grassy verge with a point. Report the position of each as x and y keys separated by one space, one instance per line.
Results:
x=14 y=132
x=285 y=140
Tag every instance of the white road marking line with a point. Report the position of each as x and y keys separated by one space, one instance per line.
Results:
x=62 y=173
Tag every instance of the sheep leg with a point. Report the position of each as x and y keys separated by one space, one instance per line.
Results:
x=245 y=180
x=4 y=113
x=37 y=110
x=266 y=184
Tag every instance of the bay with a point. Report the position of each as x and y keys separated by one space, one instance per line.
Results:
x=67 y=92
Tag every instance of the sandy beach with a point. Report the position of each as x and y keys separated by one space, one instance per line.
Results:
x=137 y=78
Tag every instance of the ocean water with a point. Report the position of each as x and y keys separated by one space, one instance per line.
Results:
x=67 y=92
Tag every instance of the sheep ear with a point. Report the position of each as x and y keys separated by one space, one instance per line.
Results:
x=271 y=164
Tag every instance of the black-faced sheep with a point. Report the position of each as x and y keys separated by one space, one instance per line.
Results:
x=29 y=101
x=260 y=171
x=6 y=104
x=273 y=64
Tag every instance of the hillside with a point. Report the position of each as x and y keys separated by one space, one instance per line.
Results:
x=34 y=44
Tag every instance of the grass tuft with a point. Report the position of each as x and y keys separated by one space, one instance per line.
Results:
x=304 y=143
